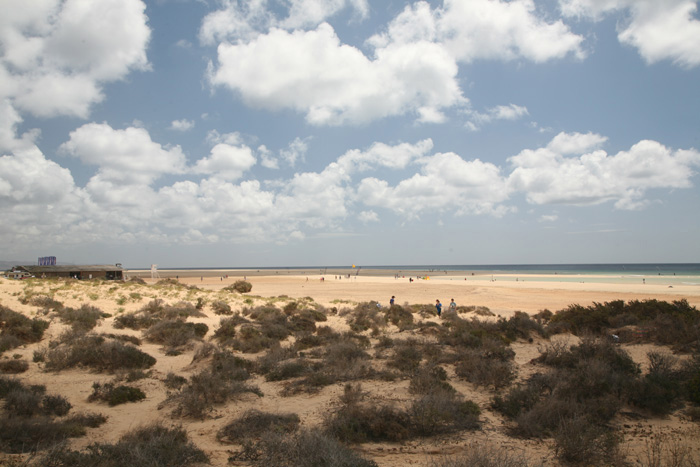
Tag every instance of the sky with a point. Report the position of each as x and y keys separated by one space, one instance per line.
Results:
x=225 y=133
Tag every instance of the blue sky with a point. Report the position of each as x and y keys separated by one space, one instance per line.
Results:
x=335 y=132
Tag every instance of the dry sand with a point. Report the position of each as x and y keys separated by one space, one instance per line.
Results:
x=503 y=295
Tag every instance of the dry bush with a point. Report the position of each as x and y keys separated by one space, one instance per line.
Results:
x=14 y=366
x=407 y=355
x=482 y=369
x=399 y=317
x=365 y=316
x=28 y=435
x=428 y=379
x=174 y=333
x=483 y=455
x=303 y=448
x=205 y=390
x=16 y=329
x=46 y=302
x=82 y=319
x=289 y=369
x=253 y=424
x=580 y=441
x=667 y=451
x=240 y=287
x=520 y=326
x=98 y=353
x=154 y=446
x=273 y=357
x=115 y=395
x=220 y=307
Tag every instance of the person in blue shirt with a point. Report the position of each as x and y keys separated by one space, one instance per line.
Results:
x=438 y=306
x=391 y=302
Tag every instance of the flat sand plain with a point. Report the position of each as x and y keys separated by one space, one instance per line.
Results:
x=502 y=294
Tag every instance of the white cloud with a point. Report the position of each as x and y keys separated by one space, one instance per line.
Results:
x=483 y=29
x=57 y=55
x=446 y=183
x=226 y=161
x=182 y=125
x=500 y=112
x=658 y=29
x=383 y=155
x=547 y=176
x=245 y=20
x=295 y=151
x=267 y=160
x=333 y=83
x=367 y=217
x=123 y=156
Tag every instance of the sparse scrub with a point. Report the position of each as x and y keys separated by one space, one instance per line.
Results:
x=407 y=356
x=13 y=366
x=253 y=424
x=365 y=316
x=220 y=307
x=484 y=455
x=83 y=319
x=25 y=435
x=115 y=395
x=17 y=328
x=46 y=302
x=399 y=317
x=98 y=353
x=174 y=333
x=304 y=448
x=153 y=446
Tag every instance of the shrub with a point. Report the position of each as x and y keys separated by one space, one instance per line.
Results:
x=253 y=424
x=13 y=366
x=81 y=319
x=288 y=370
x=240 y=287
x=22 y=329
x=205 y=390
x=251 y=340
x=578 y=440
x=304 y=448
x=175 y=333
x=443 y=412
x=365 y=316
x=173 y=381
x=400 y=317
x=46 y=302
x=660 y=390
x=25 y=435
x=429 y=379
x=115 y=395
x=55 y=405
x=98 y=353
x=154 y=445
x=483 y=455
x=477 y=368
x=407 y=356
x=220 y=307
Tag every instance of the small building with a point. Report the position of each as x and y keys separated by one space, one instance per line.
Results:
x=105 y=272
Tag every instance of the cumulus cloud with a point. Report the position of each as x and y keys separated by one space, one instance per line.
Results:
x=446 y=182
x=57 y=54
x=659 y=30
x=226 y=161
x=483 y=29
x=244 y=20
x=548 y=176
x=333 y=83
x=412 y=68
x=383 y=155
x=123 y=156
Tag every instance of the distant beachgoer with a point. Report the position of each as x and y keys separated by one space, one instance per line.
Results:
x=410 y=279
x=453 y=305
x=438 y=306
x=391 y=302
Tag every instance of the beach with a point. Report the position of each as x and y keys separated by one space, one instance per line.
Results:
x=333 y=290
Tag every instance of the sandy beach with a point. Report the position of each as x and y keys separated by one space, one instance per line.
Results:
x=503 y=295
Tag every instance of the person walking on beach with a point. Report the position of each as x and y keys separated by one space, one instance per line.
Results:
x=438 y=307
x=391 y=302
x=453 y=305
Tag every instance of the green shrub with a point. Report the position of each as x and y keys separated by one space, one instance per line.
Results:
x=83 y=319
